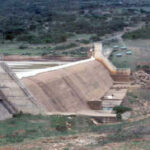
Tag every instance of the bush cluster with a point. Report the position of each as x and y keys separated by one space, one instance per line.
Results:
x=120 y=110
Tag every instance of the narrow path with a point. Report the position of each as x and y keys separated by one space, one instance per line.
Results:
x=118 y=35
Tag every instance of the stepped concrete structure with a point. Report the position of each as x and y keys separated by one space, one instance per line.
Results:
x=89 y=87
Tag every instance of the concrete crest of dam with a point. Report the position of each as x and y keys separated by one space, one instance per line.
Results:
x=89 y=87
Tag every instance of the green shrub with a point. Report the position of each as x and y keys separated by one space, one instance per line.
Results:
x=59 y=123
x=26 y=53
x=138 y=67
x=95 y=38
x=23 y=46
x=145 y=67
x=85 y=41
x=63 y=47
x=30 y=38
x=120 y=110
x=66 y=148
x=143 y=33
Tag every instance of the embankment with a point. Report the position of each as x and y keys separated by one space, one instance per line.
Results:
x=69 y=89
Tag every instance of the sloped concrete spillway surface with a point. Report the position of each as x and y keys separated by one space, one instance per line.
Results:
x=70 y=88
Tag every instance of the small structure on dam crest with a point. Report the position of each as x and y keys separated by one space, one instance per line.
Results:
x=90 y=87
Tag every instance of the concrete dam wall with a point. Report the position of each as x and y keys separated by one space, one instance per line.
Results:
x=14 y=97
x=69 y=89
x=86 y=87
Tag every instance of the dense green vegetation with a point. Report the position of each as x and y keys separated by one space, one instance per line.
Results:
x=143 y=33
x=32 y=22
x=120 y=110
x=52 y=21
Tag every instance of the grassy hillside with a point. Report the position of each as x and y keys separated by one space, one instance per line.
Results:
x=54 y=21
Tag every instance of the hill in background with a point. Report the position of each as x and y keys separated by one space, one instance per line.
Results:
x=53 y=21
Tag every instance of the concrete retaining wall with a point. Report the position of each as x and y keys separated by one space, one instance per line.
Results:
x=15 y=97
x=118 y=74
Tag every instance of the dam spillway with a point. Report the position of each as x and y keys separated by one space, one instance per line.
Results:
x=69 y=89
x=77 y=88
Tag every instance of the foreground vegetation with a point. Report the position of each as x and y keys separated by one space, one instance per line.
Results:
x=27 y=127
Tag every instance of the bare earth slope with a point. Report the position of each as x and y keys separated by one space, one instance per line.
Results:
x=69 y=89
